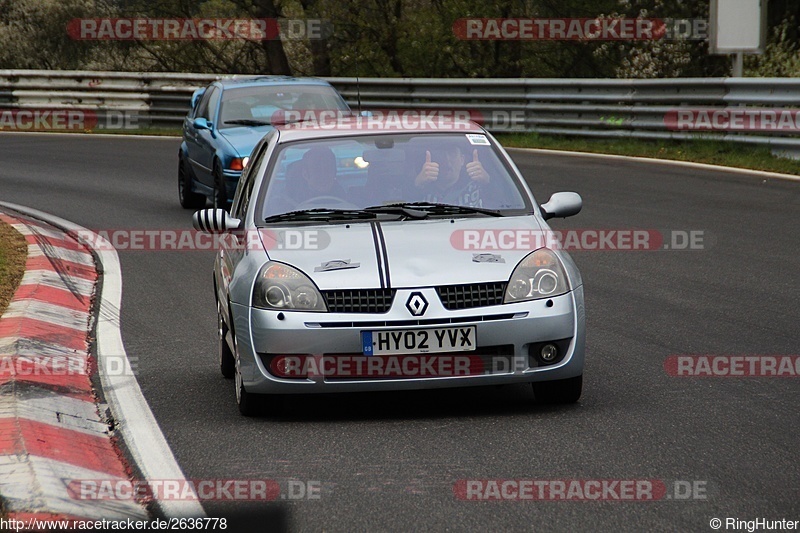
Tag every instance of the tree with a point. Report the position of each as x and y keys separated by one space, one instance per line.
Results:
x=33 y=34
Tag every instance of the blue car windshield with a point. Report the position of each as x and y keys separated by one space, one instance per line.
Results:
x=365 y=171
x=267 y=104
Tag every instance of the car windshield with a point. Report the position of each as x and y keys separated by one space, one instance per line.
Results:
x=405 y=175
x=268 y=104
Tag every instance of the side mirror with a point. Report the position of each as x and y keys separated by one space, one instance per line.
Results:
x=214 y=221
x=365 y=114
x=197 y=95
x=202 y=124
x=562 y=205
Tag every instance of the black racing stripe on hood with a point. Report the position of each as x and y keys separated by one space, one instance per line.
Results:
x=378 y=252
x=385 y=254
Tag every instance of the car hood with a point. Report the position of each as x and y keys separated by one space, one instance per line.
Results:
x=244 y=138
x=406 y=253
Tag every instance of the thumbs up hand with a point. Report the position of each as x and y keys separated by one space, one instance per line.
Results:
x=429 y=172
x=475 y=169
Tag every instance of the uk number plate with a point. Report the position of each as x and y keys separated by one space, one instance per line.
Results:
x=432 y=340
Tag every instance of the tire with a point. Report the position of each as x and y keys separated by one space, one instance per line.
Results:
x=561 y=391
x=188 y=198
x=249 y=404
x=220 y=198
x=227 y=361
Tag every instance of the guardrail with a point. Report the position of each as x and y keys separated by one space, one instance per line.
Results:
x=586 y=107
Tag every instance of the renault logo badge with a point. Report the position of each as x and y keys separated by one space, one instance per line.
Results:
x=417 y=304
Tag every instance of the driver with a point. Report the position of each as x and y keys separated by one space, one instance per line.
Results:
x=318 y=173
x=452 y=180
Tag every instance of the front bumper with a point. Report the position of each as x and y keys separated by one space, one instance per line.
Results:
x=519 y=328
x=231 y=181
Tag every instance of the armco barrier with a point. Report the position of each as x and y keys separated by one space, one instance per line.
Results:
x=587 y=107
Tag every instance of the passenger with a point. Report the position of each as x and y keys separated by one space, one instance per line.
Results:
x=450 y=181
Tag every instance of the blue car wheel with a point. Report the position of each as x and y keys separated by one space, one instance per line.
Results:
x=220 y=197
x=188 y=198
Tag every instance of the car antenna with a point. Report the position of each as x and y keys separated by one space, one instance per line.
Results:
x=358 y=86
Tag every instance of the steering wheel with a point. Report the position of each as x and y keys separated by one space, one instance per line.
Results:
x=333 y=202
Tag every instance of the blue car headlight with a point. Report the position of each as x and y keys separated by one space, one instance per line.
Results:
x=539 y=275
x=284 y=288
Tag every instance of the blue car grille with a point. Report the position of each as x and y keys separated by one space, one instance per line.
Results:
x=471 y=295
x=359 y=300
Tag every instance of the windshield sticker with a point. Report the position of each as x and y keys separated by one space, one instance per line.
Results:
x=474 y=138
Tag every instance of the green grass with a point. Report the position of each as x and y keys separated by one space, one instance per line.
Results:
x=161 y=132
x=713 y=152
x=728 y=154
x=13 y=254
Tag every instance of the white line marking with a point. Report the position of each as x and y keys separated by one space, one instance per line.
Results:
x=99 y=135
x=59 y=411
x=689 y=164
x=50 y=313
x=74 y=256
x=22 y=347
x=18 y=493
x=44 y=232
x=51 y=278
x=138 y=426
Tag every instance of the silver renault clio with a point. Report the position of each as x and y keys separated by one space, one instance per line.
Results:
x=370 y=256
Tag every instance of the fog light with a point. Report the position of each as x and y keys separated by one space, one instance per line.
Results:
x=549 y=352
x=288 y=366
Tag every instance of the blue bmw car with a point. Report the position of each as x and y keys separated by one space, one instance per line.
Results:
x=226 y=121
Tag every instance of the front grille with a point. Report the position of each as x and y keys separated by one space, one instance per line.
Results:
x=417 y=322
x=471 y=295
x=359 y=300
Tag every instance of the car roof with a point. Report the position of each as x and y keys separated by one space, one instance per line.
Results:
x=253 y=81
x=350 y=126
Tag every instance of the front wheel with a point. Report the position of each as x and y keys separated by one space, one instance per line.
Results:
x=227 y=361
x=188 y=198
x=249 y=404
x=560 y=391
x=220 y=192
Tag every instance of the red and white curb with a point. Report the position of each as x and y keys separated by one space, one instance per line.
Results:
x=52 y=430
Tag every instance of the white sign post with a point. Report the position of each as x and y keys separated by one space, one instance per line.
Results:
x=737 y=27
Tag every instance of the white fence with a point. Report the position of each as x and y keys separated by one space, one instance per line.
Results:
x=587 y=107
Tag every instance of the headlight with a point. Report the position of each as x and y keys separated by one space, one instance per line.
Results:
x=282 y=287
x=539 y=275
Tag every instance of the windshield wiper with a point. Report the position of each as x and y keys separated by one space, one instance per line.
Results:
x=397 y=209
x=322 y=214
x=248 y=122
x=444 y=209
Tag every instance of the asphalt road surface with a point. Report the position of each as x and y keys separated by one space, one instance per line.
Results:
x=389 y=461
